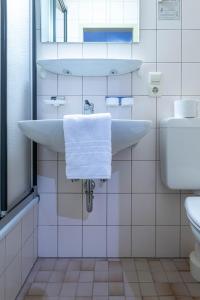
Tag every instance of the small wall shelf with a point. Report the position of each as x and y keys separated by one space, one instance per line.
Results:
x=90 y=67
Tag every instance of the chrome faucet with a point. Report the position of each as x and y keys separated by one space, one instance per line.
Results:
x=88 y=107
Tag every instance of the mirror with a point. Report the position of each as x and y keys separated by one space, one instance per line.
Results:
x=78 y=21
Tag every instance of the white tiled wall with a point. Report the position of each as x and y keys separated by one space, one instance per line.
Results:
x=134 y=213
x=18 y=251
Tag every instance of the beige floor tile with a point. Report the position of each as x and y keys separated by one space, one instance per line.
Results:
x=132 y=289
x=100 y=298
x=167 y=298
x=61 y=264
x=155 y=266
x=163 y=289
x=182 y=264
x=128 y=264
x=173 y=277
x=194 y=289
x=179 y=289
x=53 y=289
x=101 y=276
x=74 y=265
x=187 y=277
x=86 y=276
x=84 y=289
x=42 y=276
x=160 y=277
x=145 y=276
x=117 y=298
x=168 y=265
x=142 y=264
x=88 y=265
x=37 y=289
x=130 y=276
x=114 y=266
x=100 y=289
x=115 y=275
x=101 y=266
x=47 y=264
x=72 y=276
x=57 y=276
x=116 y=289
x=148 y=290
x=68 y=289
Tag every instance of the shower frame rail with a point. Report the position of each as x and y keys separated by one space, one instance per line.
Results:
x=3 y=115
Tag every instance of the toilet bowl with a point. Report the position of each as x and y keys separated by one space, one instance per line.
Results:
x=192 y=206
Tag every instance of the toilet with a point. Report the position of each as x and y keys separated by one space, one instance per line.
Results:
x=180 y=170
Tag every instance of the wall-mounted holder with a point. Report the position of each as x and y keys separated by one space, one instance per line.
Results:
x=55 y=101
x=114 y=101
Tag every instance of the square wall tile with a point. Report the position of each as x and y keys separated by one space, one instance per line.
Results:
x=45 y=111
x=146 y=148
x=189 y=39
x=143 y=241
x=94 y=85
x=144 y=108
x=123 y=155
x=184 y=218
x=65 y=185
x=27 y=257
x=190 y=73
x=69 y=85
x=168 y=209
x=169 y=46
x=187 y=241
x=148 y=14
x=45 y=154
x=47 y=86
x=13 y=279
x=119 y=50
x=171 y=78
x=190 y=14
x=98 y=214
x=94 y=241
x=118 y=241
x=73 y=106
x=119 y=85
x=70 y=209
x=120 y=181
x=143 y=177
x=13 y=243
x=119 y=209
x=27 y=225
x=47 y=241
x=48 y=209
x=143 y=209
x=140 y=79
x=94 y=50
x=69 y=241
x=146 y=48
x=70 y=50
x=167 y=241
x=47 y=176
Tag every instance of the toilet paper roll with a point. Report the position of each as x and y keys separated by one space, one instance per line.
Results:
x=185 y=109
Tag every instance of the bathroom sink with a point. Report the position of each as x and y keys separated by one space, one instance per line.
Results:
x=125 y=133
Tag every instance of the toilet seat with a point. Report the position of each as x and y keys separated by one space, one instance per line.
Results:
x=192 y=206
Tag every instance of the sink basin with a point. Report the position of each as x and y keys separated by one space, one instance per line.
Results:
x=125 y=133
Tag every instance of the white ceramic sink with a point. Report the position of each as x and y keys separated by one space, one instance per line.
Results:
x=125 y=133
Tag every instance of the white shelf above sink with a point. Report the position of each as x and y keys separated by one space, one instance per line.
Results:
x=90 y=67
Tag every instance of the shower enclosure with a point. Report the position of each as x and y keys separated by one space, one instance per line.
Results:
x=18 y=85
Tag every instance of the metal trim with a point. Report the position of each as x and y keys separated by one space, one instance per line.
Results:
x=3 y=107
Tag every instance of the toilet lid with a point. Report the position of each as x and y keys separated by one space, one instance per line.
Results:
x=192 y=206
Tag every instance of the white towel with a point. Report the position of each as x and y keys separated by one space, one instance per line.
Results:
x=88 y=150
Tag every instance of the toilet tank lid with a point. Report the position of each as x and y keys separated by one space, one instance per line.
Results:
x=180 y=122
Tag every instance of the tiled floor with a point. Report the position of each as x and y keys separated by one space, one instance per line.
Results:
x=124 y=279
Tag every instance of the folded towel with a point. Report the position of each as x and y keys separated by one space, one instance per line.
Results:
x=88 y=146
